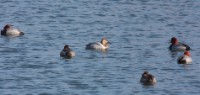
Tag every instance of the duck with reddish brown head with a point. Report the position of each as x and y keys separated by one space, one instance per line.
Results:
x=8 y=30
x=103 y=45
x=147 y=79
x=185 y=58
x=67 y=52
x=177 y=46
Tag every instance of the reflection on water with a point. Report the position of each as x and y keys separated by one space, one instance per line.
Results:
x=173 y=54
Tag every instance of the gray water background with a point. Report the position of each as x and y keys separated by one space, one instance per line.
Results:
x=139 y=32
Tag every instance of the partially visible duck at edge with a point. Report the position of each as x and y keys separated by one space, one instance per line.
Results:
x=8 y=30
x=147 y=79
x=67 y=52
x=103 y=45
x=185 y=58
x=177 y=46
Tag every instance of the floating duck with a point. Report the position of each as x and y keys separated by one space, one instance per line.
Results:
x=8 y=30
x=185 y=58
x=177 y=46
x=67 y=52
x=103 y=45
x=147 y=79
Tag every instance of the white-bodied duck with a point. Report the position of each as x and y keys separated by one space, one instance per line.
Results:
x=8 y=30
x=185 y=58
x=103 y=45
x=177 y=46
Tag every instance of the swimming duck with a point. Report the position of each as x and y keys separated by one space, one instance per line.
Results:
x=185 y=58
x=98 y=45
x=8 y=30
x=177 y=46
x=147 y=79
x=67 y=52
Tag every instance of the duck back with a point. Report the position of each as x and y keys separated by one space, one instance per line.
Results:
x=95 y=45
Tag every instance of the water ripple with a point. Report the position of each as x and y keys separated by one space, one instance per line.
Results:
x=139 y=32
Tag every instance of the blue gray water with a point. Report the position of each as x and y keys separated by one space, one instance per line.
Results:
x=139 y=32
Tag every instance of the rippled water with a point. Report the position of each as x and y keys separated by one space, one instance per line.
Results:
x=139 y=32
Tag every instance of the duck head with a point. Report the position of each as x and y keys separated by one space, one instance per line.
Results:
x=145 y=73
x=66 y=48
x=7 y=26
x=187 y=53
x=174 y=40
x=104 y=42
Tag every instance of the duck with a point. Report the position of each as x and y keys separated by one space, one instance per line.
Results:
x=67 y=52
x=103 y=45
x=177 y=46
x=8 y=30
x=147 y=79
x=185 y=58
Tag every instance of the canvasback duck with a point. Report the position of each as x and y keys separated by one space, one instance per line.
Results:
x=8 y=30
x=67 y=52
x=103 y=45
x=147 y=79
x=185 y=58
x=177 y=46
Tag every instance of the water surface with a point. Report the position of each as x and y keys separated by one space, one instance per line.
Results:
x=139 y=32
